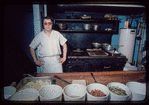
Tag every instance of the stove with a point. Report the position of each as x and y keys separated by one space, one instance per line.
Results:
x=87 y=60
x=78 y=52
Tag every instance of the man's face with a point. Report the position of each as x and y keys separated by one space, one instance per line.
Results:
x=47 y=24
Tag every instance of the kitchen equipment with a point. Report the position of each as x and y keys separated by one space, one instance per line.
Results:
x=96 y=45
x=25 y=80
x=126 y=23
x=96 y=28
x=130 y=20
x=126 y=43
x=9 y=91
x=28 y=94
x=74 y=92
x=61 y=79
x=107 y=47
x=138 y=90
x=108 y=29
x=97 y=86
x=93 y=77
x=115 y=97
x=87 y=27
x=62 y=26
x=115 y=53
x=96 y=52
x=86 y=17
x=108 y=16
x=51 y=93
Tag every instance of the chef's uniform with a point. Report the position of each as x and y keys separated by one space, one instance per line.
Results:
x=48 y=50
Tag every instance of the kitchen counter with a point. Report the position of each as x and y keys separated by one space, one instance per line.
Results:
x=101 y=77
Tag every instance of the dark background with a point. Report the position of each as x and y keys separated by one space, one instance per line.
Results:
x=19 y=32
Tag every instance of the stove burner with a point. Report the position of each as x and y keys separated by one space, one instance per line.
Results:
x=78 y=52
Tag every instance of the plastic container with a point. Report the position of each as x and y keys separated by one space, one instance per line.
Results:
x=51 y=93
x=97 y=86
x=28 y=94
x=74 y=92
x=138 y=90
x=9 y=91
x=115 y=97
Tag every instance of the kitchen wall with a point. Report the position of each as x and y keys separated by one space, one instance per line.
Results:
x=18 y=33
x=115 y=37
x=85 y=40
x=18 y=22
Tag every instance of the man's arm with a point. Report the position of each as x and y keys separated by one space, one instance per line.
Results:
x=37 y=62
x=64 y=50
x=63 y=59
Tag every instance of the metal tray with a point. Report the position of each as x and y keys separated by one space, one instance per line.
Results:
x=25 y=80
x=96 y=52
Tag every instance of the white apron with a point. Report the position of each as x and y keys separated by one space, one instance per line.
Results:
x=51 y=65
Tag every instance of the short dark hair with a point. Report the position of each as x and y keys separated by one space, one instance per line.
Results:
x=47 y=17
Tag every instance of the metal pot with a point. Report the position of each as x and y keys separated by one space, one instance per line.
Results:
x=96 y=45
x=108 y=47
x=62 y=26
x=96 y=28
x=87 y=26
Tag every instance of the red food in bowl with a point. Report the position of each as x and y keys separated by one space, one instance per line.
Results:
x=97 y=93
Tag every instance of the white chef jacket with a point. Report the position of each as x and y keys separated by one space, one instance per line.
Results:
x=48 y=50
x=48 y=46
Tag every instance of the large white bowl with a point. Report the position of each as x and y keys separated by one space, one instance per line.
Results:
x=138 y=90
x=51 y=93
x=9 y=91
x=96 y=86
x=115 y=97
x=74 y=92
x=28 y=94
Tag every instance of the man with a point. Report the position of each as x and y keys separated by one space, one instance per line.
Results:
x=48 y=44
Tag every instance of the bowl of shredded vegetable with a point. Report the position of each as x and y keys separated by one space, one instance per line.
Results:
x=119 y=92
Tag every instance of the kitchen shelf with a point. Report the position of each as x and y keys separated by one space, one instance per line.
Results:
x=105 y=22
x=86 y=20
x=84 y=31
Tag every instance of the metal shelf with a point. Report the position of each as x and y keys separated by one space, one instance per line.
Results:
x=103 y=21
x=86 y=20
x=84 y=31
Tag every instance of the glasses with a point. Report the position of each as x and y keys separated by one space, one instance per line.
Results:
x=49 y=23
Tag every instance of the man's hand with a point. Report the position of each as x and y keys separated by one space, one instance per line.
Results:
x=39 y=63
x=62 y=60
